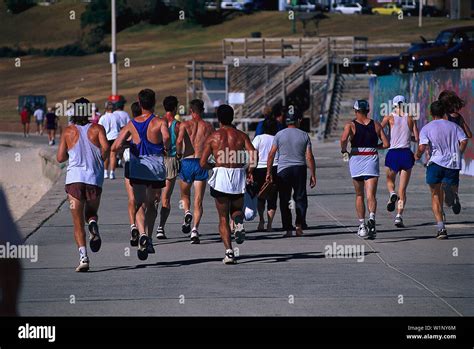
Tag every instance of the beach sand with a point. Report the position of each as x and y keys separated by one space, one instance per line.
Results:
x=21 y=176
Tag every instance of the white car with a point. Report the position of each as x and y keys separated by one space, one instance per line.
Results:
x=349 y=9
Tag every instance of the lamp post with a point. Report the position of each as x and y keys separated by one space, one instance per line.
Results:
x=113 y=53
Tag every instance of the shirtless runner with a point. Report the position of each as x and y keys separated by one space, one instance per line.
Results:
x=192 y=133
x=232 y=149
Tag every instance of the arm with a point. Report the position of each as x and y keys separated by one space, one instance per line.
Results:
x=311 y=165
x=179 y=140
x=419 y=152
x=414 y=130
x=465 y=127
x=346 y=134
x=385 y=121
x=271 y=157
x=382 y=136
x=104 y=144
x=62 y=154
x=462 y=146
x=253 y=156
x=165 y=133
x=122 y=137
x=206 y=152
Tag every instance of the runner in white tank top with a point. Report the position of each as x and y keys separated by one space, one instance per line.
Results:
x=85 y=146
x=399 y=158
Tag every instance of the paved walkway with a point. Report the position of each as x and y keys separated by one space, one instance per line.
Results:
x=405 y=272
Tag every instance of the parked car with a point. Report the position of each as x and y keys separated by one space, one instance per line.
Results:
x=447 y=42
x=349 y=9
x=383 y=65
x=388 y=9
x=457 y=54
x=307 y=6
x=427 y=11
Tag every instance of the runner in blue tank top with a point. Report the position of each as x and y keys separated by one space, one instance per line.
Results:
x=147 y=172
x=86 y=148
x=170 y=104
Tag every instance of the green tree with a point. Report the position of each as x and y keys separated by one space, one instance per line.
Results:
x=17 y=6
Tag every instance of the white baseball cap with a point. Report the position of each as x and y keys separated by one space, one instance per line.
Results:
x=398 y=99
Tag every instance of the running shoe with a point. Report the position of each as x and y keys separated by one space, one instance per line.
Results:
x=142 y=251
x=160 y=233
x=456 y=204
x=362 y=232
x=186 y=227
x=195 y=237
x=372 y=229
x=391 y=202
x=83 y=265
x=150 y=247
x=94 y=237
x=134 y=233
x=229 y=257
x=239 y=230
x=399 y=222
x=112 y=175
x=442 y=234
x=448 y=195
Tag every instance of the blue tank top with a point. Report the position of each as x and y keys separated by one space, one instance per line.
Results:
x=365 y=135
x=144 y=147
x=172 y=130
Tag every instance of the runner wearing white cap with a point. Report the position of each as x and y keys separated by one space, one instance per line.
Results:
x=364 y=134
x=399 y=158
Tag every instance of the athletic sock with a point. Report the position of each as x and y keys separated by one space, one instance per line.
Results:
x=194 y=228
x=164 y=213
x=82 y=252
x=399 y=214
x=440 y=225
x=372 y=215
x=362 y=221
x=393 y=193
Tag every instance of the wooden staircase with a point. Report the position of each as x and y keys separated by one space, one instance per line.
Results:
x=286 y=81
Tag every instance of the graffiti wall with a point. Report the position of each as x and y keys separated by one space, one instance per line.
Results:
x=420 y=89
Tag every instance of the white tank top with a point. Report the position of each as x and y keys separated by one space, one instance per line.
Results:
x=400 y=134
x=85 y=161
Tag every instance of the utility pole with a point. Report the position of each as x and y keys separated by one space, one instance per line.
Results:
x=113 y=53
x=420 y=14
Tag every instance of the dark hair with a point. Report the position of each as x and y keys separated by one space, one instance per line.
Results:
x=136 y=109
x=279 y=110
x=270 y=127
x=81 y=112
x=451 y=101
x=225 y=114
x=146 y=98
x=437 y=109
x=197 y=106
x=170 y=103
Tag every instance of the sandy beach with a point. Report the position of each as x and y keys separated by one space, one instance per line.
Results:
x=21 y=174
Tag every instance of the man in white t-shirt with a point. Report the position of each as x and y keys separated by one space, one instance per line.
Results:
x=39 y=117
x=121 y=114
x=111 y=123
x=447 y=142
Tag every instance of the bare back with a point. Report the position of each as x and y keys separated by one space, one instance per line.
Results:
x=197 y=131
x=154 y=132
x=71 y=135
x=227 y=146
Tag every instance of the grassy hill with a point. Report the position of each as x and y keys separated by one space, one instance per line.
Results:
x=157 y=53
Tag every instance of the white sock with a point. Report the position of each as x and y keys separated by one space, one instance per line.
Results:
x=393 y=193
x=195 y=228
x=399 y=214
x=82 y=252
x=372 y=215
x=362 y=221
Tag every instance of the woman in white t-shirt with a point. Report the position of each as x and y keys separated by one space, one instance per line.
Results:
x=263 y=144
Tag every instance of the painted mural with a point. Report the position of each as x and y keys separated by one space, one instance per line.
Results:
x=420 y=89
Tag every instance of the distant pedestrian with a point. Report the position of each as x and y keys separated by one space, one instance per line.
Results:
x=364 y=134
x=111 y=125
x=95 y=115
x=25 y=118
x=266 y=114
x=295 y=154
x=399 y=158
x=263 y=144
x=51 y=125
x=452 y=104
x=39 y=118
x=447 y=144
x=85 y=147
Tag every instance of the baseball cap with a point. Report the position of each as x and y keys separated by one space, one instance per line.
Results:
x=293 y=115
x=398 y=99
x=362 y=105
